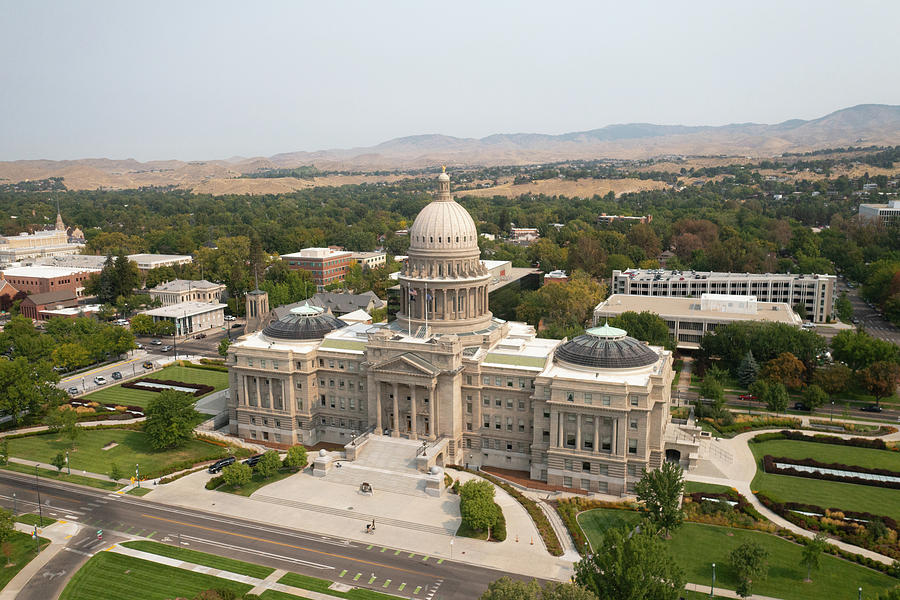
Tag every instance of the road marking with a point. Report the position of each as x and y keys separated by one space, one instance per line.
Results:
x=383 y=549
x=386 y=583
x=411 y=555
x=397 y=552
x=402 y=585
x=356 y=578
x=369 y=547
x=440 y=561
x=151 y=534
x=425 y=558
x=344 y=572
x=71 y=518
x=258 y=552
x=418 y=589
x=372 y=578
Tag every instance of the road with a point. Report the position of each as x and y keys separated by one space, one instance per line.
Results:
x=381 y=568
x=869 y=318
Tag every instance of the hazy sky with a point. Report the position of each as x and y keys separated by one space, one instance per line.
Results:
x=204 y=80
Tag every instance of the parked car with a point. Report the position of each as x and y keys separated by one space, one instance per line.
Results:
x=121 y=321
x=221 y=464
x=147 y=364
x=116 y=375
x=800 y=406
x=236 y=326
x=746 y=397
x=140 y=346
x=73 y=391
x=156 y=342
x=230 y=317
x=251 y=462
x=199 y=336
x=875 y=408
x=165 y=348
x=100 y=380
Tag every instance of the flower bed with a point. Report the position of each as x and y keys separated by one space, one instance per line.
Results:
x=534 y=511
x=724 y=508
x=775 y=464
x=94 y=411
x=744 y=423
x=159 y=385
x=875 y=444
x=878 y=533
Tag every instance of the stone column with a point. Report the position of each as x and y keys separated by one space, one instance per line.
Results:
x=621 y=436
x=596 y=448
x=412 y=410
x=432 y=400
x=578 y=431
x=476 y=410
x=379 y=429
x=258 y=395
x=561 y=436
x=396 y=426
x=271 y=399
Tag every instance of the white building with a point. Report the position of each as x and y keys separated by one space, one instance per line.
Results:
x=145 y=262
x=688 y=320
x=179 y=291
x=26 y=247
x=369 y=260
x=814 y=292
x=191 y=317
x=883 y=214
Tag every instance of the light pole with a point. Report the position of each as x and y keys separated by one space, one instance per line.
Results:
x=14 y=504
x=859 y=594
x=137 y=473
x=712 y=588
x=68 y=466
x=37 y=487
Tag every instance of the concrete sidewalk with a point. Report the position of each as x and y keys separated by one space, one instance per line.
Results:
x=58 y=534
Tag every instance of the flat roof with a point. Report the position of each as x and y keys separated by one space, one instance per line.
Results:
x=185 y=285
x=317 y=253
x=74 y=310
x=665 y=274
x=184 y=309
x=45 y=272
x=158 y=257
x=685 y=308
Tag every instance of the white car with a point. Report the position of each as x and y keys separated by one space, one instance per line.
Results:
x=230 y=318
x=100 y=380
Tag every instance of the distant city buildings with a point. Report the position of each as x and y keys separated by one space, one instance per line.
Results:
x=369 y=260
x=524 y=236
x=326 y=265
x=36 y=305
x=556 y=277
x=185 y=290
x=814 y=292
x=26 y=247
x=38 y=279
x=190 y=317
x=688 y=319
x=882 y=214
x=145 y=262
x=605 y=219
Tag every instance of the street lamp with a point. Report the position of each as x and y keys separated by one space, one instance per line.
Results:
x=14 y=504
x=832 y=411
x=137 y=473
x=68 y=466
x=859 y=594
x=712 y=588
x=37 y=487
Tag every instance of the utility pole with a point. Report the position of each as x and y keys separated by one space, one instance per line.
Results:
x=14 y=504
x=137 y=474
x=68 y=466
x=37 y=487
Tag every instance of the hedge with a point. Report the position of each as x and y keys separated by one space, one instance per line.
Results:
x=759 y=423
x=534 y=511
x=200 y=389
x=215 y=482
x=874 y=444
x=770 y=466
x=209 y=366
x=178 y=476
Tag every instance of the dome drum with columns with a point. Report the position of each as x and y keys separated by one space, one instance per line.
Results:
x=445 y=284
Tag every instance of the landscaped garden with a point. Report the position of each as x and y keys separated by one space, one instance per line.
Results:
x=121 y=396
x=97 y=449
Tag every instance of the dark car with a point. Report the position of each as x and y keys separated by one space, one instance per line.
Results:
x=116 y=375
x=800 y=406
x=73 y=391
x=875 y=408
x=199 y=336
x=221 y=464
x=147 y=364
x=251 y=462
x=236 y=325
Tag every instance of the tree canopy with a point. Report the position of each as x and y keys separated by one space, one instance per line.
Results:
x=170 y=419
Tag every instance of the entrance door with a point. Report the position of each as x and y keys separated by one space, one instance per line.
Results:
x=408 y=423
x=427 y=426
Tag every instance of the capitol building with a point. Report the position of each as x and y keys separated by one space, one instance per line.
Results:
x=590 y=413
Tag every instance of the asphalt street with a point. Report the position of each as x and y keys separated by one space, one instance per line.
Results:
x=384 y=568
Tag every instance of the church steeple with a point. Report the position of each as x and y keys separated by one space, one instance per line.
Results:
x=60 y=226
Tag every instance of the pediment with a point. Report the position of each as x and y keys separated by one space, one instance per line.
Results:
x=407 y=364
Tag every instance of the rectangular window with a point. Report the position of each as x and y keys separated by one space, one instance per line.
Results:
x=275 y=364
x=343 y=406
x=545 y=436
x=299 y=385
x=588 y=398
x=603 y=469
x=299 y=404
x=469 y=382
x=486 y=380
x=509 y=423
x=604 y=400
x=497 y=423
x=487 y=421
x=634 y=400
x=521 y=426
x=509 y=382
x=586 y=484
x=567 y=465
x=546 y=413
x=509 y=403
x=322 y=399
x=522 y=382
x=486 y=400
x=603 y=487
x=586 y=466
x=498 y=402
x=262 y=363
x=468 y=408
x=498 y=381
x=567 y=482
x=521 y=405
x=632 y=446
x=633 y=423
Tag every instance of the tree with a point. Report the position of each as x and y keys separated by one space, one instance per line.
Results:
x=843 y=308
x=142 y=324
x=70 y=356
x=237 y=474
x=833 y=378
x=777 y=398
x=7 y=550
x=749 y=561
x=814 y=397
x=880 y=379
x=296 y=458
x=786 y=369
x=711 y=389
x=477 y=507
x=7 y=525
x=747 y=370
x=28 y=389
x=70 y=428
x=114 y=473
x=645 y=326
x=811 y=553
x=859 y=350
x=660 y=491
x=760 y=389
x=636 y=566
x=170 y=419
x=564 y=304
x=4 y=451
x=59 y=461
x=268 y=464
x=516 y=589
x=223 y=347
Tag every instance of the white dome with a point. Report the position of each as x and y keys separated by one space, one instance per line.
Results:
x=443 y=224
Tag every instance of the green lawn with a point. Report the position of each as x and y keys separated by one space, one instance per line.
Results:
x=693 y=486
x=828 y=453
x=202 y=558
x=123 y=396
x=139 y=491
x=695 y=546
x=103 y=484
x=256 y=482
x=595 y=522
x=110 y=575
x=133 y=448
x=321 y=585
x=33 y=519
x=23 y=550
x=827 y=494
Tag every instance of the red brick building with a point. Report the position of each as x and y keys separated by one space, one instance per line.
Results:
x=40 y=279
x=326 y=265
x=32 y=306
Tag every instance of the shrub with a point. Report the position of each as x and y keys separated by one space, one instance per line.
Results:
x=215 y=482
x=770 y=466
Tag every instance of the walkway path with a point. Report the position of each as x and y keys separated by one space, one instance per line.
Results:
x=58 y=534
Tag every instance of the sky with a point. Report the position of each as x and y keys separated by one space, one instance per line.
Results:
x=196 y=80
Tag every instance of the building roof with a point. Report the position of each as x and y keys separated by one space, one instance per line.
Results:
x=184 y=309
x=151 y=258
x=7 y=288
x=185 y=285
x=443 y=224
x=357 y=316
x=606 y=348
x=666 y=274
x=318 y=253
x=342 y=303
x=51 y=297
x=43 y=272
x=303 y=322
x=73 y=261
x=72 y=311
x=685 y=308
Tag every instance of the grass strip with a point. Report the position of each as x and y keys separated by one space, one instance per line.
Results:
x=201 y=558
x=256 y=481
x=111 y=575
x=33 y=519
x=103 y=484
x=314 y=584
x=139 y=491
x=22 y=552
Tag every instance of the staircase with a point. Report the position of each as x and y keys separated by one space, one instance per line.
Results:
x=387 y=464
